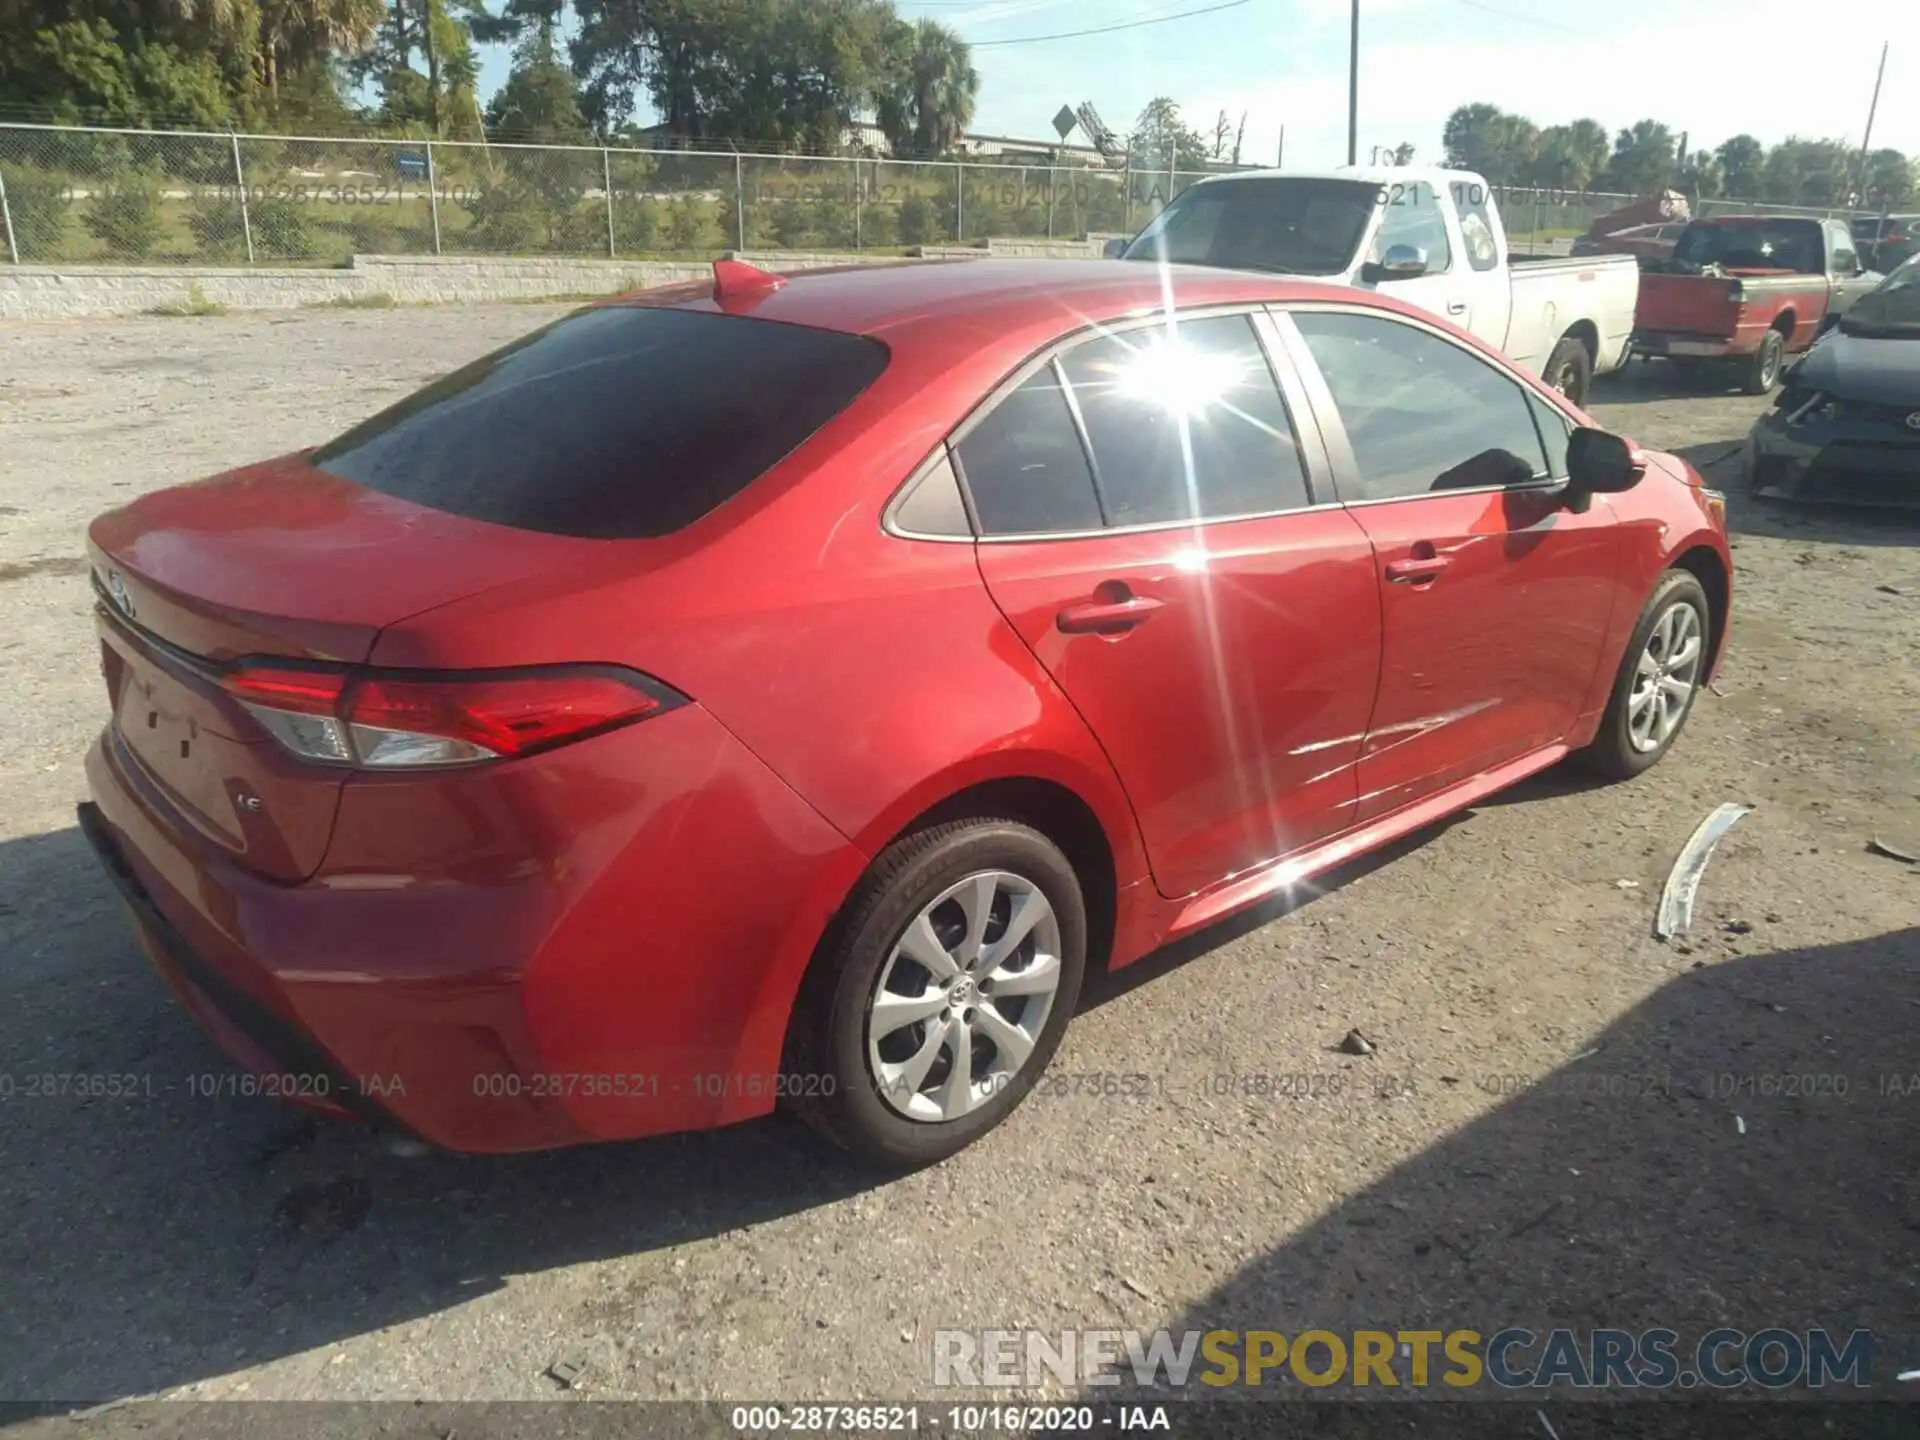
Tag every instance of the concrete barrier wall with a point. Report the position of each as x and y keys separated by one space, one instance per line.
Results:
x=55 y=292
x=52 y=292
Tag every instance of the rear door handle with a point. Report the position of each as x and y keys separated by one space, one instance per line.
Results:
x=1422 y=570
x=1106 y=617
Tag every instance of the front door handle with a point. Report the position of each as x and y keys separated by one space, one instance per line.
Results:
x=1456 y=307
x=1422 y=570
x=1106 y=617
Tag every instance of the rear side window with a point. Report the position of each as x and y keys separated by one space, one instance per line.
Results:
x=1025 y=466
x=615 y=423
x=1186 y=424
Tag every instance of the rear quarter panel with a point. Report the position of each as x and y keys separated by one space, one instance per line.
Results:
x=1552 y=297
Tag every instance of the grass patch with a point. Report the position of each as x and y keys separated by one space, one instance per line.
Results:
x=195 y=303
x=379 y=300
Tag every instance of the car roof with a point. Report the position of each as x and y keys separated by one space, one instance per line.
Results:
x=958 y=306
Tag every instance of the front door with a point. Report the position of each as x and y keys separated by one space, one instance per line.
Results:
x=1412 y=215
x=1496 y=597
x=1143 y=507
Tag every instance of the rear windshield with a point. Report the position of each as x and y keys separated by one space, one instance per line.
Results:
x=1289 y=226
x=1755 y=245
x=614 y=423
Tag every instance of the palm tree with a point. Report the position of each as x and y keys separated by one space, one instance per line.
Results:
x=295 y=33
x=928 y=103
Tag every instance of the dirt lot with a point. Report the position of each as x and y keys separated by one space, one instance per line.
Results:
x=1485 y=1167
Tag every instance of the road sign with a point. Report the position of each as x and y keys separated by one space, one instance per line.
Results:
x=1065 y=121
x=410 y=164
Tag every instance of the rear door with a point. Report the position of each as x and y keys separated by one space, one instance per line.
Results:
x=1496 y=598
x=1155 y=524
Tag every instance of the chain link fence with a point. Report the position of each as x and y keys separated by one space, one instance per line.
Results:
x=72 y=195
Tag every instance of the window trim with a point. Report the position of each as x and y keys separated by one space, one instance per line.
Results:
x=1348 y=481
x=890 y=513
x=1316 y=462
x=1446 y=236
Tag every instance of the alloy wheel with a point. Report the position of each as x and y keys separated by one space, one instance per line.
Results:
x=964 y=996
x=1665 y=678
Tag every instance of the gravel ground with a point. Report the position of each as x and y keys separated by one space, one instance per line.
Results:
x=1565 y=1121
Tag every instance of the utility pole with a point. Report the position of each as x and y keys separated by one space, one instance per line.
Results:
x=1280 y=156
x=1866 y=140
x=1353 y=90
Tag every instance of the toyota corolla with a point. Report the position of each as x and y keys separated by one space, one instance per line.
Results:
x=782 y=692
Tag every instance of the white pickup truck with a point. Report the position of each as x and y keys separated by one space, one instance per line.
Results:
x=1428 y=236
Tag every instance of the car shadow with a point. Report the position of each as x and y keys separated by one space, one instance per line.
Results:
x=1659 y=379
x=159 y=1234
x=186 y=1234
x=1740 y=1149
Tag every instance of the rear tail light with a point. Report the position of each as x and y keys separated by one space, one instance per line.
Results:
x=406 y=719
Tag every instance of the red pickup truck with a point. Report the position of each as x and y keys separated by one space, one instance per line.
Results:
x=1741 y=292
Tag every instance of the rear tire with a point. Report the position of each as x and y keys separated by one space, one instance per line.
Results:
x=1762 y=372
x=1570 y=370
x=918 y=901
x=1658 y=681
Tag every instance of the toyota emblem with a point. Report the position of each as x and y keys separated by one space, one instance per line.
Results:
x=1913 y=421
x=117 y=591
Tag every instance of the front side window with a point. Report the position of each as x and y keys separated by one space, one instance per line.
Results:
x=1186 y=423
x=1421 y=413
x=1410 y=215
x=1475 y=204
x=1845 y=259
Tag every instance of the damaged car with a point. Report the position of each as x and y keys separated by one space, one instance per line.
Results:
x=1846 y=424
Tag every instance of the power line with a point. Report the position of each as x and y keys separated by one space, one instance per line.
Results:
x=1109 y=29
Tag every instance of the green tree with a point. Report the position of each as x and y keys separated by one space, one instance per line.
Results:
x=1486 y=139
x=125 y=217
x=766 y=72
x=540 y=101
x=926 y=103
x=1570 y=157
x=1807 y=172
x=1701 y=176
x=1645 y=158
x=1160 y=135
x=1742 y=165
x=1890 y=183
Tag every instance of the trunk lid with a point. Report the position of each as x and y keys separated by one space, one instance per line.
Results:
x=1694 y=304
x=275 y=559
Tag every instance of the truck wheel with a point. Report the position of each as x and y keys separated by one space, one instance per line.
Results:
x=1763 y=370
x=1570 y=369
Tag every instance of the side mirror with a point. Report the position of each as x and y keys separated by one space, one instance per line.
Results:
x=1401 y=262
x=1599 y=463
x=1114 y=249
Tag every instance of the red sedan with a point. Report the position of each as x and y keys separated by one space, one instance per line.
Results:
x=783 y=691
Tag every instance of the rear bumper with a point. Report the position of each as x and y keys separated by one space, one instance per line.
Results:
x=1839 y=464
x=1686 y=345
x=602 y=942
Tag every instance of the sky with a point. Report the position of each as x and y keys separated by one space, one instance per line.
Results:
x=1711 y=68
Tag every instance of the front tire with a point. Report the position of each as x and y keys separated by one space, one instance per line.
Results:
x=1661 y=674
x=1570 y=370
x=941 y=993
